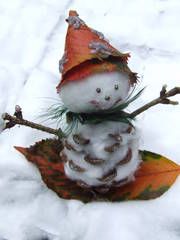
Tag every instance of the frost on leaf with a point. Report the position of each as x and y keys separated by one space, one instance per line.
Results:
x=100 y=49
x=62 y=61
x=75 y=21
x=100 y=35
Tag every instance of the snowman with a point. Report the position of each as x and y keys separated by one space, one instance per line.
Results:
x=95 y=80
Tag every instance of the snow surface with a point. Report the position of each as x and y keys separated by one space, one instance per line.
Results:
x=31 y=43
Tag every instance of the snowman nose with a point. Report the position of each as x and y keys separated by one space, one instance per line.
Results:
x=107 y=98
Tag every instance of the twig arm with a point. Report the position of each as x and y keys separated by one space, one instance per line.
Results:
x=14 y=120
x=18 y=117
x=162 y=99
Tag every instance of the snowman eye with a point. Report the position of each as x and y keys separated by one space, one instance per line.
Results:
x=116 y=87
x=98 y=90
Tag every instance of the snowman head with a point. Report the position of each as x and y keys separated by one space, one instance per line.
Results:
x=97 y=92
x=95 y=75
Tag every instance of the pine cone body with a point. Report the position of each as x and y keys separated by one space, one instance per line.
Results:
x=102 y=154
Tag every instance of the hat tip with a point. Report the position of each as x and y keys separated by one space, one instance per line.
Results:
x=73 y=13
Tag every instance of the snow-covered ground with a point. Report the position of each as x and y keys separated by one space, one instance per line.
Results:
x=31 y=43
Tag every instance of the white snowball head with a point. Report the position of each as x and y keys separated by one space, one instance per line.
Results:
x=95 y=93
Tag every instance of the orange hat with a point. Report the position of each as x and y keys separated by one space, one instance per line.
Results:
x=88 y=52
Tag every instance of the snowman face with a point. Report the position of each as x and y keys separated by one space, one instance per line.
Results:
x=95 y=93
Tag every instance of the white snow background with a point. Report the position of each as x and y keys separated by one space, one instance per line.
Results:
x=32 y=37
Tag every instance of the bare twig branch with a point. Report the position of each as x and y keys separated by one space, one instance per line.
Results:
x=162 y=99
x=18 y=117
x=163 y=91
x=15 y=121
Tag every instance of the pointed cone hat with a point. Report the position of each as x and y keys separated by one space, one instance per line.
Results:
x=88 y=52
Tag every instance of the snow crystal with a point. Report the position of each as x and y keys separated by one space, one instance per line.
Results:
x=100 y=34
x=75 y=21
x=100 y=48
x=62 y=61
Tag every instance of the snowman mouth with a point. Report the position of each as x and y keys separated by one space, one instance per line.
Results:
x=117 y=101
x=95 y=104
x=99 y=106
